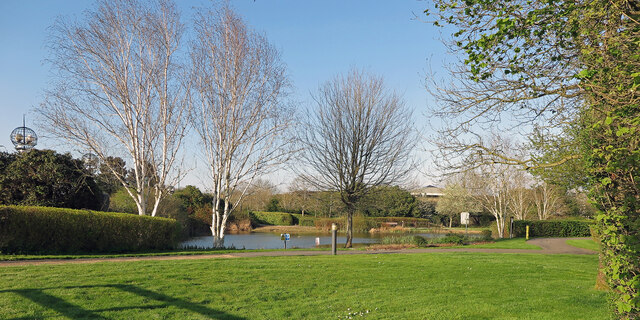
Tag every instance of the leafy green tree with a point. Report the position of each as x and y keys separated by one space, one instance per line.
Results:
x=558 y=66
x=47 y=178
x=388 y=201
x=108 y=180
x=456 y=199
x=192 y=198
x=273 y=205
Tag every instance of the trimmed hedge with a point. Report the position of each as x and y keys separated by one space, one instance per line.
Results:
x=553 y=228
x=271 y=218
x=306 y=220
x=26 y=229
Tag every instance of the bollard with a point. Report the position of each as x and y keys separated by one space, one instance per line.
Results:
x=527 y=232
x=334 y=238
x=511 y=229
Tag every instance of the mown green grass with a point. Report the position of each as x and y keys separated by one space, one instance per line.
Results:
x=517 y=243
x=179 y=252
x=584 y=244
x=399 y=286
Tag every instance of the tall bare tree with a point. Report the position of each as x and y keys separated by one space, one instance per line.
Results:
x=491 y=188
x=239 y=87
x=547 y=200
x=359 y=135
x=520 y=194
x=117 y=91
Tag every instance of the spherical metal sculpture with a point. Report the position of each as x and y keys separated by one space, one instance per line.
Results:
x=24 y=138
x=91 y=162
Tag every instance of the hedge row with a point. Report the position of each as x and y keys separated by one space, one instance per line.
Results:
x=553 y=228
x=271 y=218
x=306 y=220
x=26 y=229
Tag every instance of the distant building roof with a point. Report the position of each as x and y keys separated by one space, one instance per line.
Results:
x=428 y=191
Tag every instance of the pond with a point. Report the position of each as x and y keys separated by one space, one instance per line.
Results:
x=264 y=240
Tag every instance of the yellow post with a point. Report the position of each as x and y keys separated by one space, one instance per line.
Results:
x=527 y=232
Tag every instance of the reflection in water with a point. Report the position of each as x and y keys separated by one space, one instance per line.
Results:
x=260 y=240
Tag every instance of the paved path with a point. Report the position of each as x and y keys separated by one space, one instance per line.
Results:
x=548 y=245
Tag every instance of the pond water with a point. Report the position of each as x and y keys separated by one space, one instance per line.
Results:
x=263 y=240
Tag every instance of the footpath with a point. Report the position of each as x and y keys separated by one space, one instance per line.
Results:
x=547 y=245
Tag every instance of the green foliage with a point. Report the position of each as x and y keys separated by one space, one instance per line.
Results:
x=121 y=201
x=192 y=198
x=486 y=235
x=47 y=178
x=553 y=228
x=586 y=54
x=271 y=218
x=388 y=201
x=56 y=230
x=411 y=240
x=106 y=179
x=451 y=238
x=273 y=205
x=306 y=220
x=456 y=199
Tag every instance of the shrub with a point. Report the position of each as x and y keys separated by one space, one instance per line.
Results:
x=415 y=240
x=271 y=218
x=306 y=220
x=553 y=228
x=486 y=234
x=57 y=230
x=451 y=238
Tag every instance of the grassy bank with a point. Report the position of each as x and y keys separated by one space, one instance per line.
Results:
x=402 y=286
x=584 y=244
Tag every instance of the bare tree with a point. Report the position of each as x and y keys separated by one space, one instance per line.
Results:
x=117 y=91
x=302 y=191
x=520 y=193
x=239 y=86
x=547 y=200
x=258 y=194
x=490 y=185
x=359 y=135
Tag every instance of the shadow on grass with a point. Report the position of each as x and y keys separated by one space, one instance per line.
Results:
x=73 y=311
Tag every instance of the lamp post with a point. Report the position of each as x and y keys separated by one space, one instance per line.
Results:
x=23 y=138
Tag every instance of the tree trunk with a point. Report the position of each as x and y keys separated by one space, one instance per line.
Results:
x=218 y=241
x=450 y=221
x=349 y=228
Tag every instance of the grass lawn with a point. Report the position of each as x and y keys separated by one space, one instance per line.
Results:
x=517 y=243
x=441 y=285
x=584 y=244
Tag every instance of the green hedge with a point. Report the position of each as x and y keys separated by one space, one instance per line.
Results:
x=306 y=220
x=271 y=218
x=553 y=228
x=26 y=229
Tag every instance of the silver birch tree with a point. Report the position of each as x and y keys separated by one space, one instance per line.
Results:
x=239 y=85
x=117 y=92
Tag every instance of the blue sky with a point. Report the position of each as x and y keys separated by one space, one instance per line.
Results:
x=317 y=40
